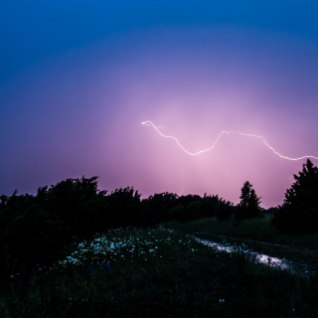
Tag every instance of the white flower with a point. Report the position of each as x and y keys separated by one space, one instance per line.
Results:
x=112 y=246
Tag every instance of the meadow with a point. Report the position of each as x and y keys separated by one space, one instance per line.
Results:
x=158 y=272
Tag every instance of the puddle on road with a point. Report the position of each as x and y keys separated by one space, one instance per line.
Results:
x=259 y=258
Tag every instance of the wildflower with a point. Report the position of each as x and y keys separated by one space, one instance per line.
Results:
x=81 y=245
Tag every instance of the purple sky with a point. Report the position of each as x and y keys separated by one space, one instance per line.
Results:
x=78 y=111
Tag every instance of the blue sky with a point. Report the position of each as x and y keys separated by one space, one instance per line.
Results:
x=34 y=30
x=78 y=77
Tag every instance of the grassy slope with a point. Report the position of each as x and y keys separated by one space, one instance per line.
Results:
x=180 y=279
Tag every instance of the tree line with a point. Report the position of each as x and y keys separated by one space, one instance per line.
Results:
x=38 y=229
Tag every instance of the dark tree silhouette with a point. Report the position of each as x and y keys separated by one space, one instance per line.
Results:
x=37 y=229
x=124 y=207
x=78 y=202
x=157 y=207
x=299 y=213
x=249 y=206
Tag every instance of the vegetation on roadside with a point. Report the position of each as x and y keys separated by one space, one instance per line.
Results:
x=155 y=272
x=38 y=229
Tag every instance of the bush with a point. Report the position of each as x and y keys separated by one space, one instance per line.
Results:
x=299 y=212
x=35 y=237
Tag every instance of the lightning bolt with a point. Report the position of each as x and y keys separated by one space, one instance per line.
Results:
x=220 y=135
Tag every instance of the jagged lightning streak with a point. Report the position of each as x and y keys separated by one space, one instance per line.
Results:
x=220 y=135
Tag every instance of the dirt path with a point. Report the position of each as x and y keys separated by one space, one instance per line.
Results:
x=249 y=249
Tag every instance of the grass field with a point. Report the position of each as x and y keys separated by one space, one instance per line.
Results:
x=156 y=272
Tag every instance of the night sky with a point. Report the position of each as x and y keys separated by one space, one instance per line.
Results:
x=77 y=78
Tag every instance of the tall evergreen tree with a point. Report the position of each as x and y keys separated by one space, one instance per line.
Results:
x=249 y=206
x=299 y=213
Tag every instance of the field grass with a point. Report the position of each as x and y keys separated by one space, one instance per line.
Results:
x=156 y=272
